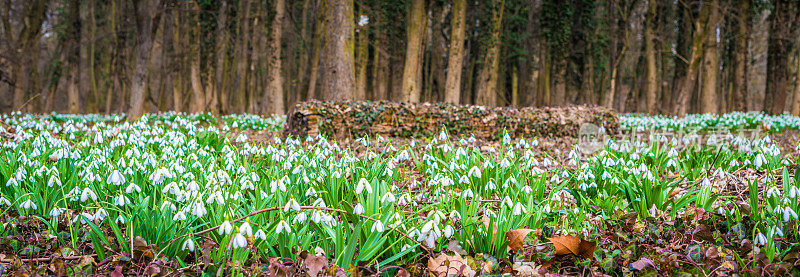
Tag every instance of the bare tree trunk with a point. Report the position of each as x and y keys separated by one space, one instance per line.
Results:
x=651 y=88
x=739 y=84
x=796 y=98
x=220 y=89
x=338 y=79
x=695 y=55
x=147 y=12
x=273 y=98
x=455 y=60
x=708 y=90
x=486 y=93
x=362 y=59
x=780 y=43
x=412 y=71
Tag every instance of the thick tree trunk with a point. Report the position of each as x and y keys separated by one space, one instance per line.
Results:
x=486 y=93
x=739 y=84
x=780 y=43
x=695 y=55
x=412 y=71
x=708 y=89
x=455 y=59
x=273 y=98
x=338 y=78
x=146 y=17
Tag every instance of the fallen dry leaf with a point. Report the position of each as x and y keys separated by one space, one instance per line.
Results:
x=516 y=238
x=446 y=265
x=566 y=245
x=315 y=264
x=526 y=269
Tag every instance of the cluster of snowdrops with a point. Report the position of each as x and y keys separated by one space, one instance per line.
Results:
x=183 y=181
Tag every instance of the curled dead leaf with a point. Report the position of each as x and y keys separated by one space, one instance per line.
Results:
x=566 y=245
x=315 y=264
x=516 y=238
x=446 y=265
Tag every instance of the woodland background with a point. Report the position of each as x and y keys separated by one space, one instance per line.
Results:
x=258 y=56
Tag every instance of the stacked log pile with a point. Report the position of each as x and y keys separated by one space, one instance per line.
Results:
x=354 y=119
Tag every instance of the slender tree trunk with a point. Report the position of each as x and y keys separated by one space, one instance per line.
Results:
x=455 y=60
x=146 y=17
x=220 y=90
x=708 y=90
x=796 y=98
x=380 y=62
x=412 y=71
x=780 y=43
x=338 y=78
x=651 y=88
x=273 y=98
x=362 y=60
x=486 y=93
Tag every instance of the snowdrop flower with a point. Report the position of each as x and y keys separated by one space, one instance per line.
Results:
x=53 y=181
x=506 y=139
x=239 y=241
x=777 y=231
x=246 y=230
x=56 y=211
x=505 y=163
x=12 y=182
x=188 y=245
x=377 y=227
x=526 y=189
x=474 y=172
x=490 y=186
x=789 y=213
x=467 y=193
x=4 y=201
x=519 y=209
x=260 y=234
x=442 y=135
x=115 y=178
x=283 y=227
x=133 y=187
x=293 y=205
x=759 y=160
x=100 y=214
x=300 y=218
x=276 y=185
x=179 y=216
x=311 y=192
x=448 y=231
x=363 y=184
x=120 y=219
x=28 y=204
x=772 y=192
x=88 y=193
x=226 y=228
x=121 y=200
x=388 y=197
x=358 y=209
